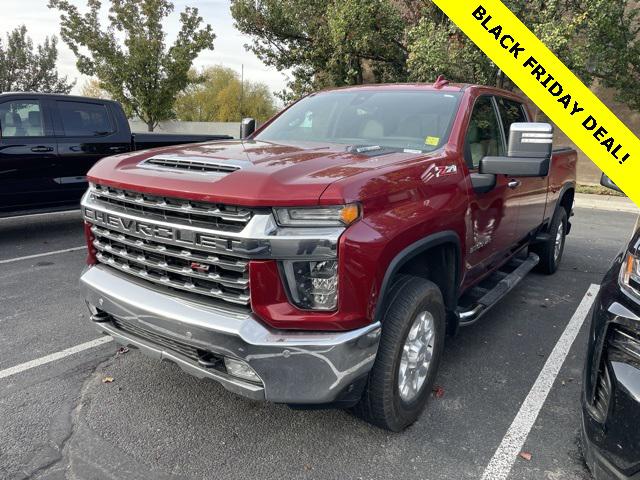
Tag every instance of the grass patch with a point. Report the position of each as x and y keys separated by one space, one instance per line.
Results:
x=598 y=190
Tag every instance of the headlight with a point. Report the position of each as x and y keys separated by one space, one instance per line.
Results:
x=330 y=216
x=313 y=285
x=630 y=275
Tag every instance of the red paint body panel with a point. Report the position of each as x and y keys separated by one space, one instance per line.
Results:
x=405 y=197
x=269 y=300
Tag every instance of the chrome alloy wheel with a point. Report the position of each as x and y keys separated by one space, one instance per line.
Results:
x=559 y=238
x=416 y=356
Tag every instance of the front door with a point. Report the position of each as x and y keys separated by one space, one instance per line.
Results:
x=28 y=154
x=492 y=215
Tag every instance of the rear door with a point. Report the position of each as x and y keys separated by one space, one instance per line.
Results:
x=493 y=215
x=28 y=154
x=529 y=192
x=87 y=132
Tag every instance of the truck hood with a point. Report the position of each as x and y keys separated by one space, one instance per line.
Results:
x=268 y=174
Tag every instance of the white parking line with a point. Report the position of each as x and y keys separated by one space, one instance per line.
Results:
x=507 y=453
x=37 y=255
x=23 y=367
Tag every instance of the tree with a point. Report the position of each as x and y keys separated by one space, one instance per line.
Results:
x=618 y=34
x=25 y=69
x=93 y=89
x=437 y=45
x=214 y=95
x=328 y=43
x=325 y=43
x=140 y=71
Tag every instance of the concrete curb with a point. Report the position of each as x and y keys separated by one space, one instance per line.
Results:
x=605 y=202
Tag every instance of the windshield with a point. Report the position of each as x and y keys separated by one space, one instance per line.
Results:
x=412 y=120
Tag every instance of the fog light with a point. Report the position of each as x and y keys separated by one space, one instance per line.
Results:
x=313 y=285
x=240 y=369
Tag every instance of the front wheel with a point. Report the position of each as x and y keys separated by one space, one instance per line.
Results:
x=408 y=358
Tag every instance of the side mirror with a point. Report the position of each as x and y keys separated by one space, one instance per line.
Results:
x=607 y=182
x=530 y=140
x=247 y=127
x=529 y=153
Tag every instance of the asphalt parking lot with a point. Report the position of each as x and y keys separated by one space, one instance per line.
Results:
x=60 y=420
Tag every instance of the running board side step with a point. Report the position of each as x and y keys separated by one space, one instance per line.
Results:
x=471 y=315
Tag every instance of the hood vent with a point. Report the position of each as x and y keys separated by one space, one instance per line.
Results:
x=191 y=165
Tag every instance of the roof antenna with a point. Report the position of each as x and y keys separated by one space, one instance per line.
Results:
x=441 y=82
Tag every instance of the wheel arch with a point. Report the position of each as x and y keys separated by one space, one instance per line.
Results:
x=567 y=197
x=437 y=250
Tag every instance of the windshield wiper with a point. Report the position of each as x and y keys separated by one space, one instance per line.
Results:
x=363 y=148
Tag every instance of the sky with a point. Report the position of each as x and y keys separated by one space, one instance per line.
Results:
x=229 y=48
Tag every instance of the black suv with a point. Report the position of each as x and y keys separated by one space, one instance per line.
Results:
x=611 y=386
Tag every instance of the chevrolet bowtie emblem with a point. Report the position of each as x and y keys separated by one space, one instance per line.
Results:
x=199 y=267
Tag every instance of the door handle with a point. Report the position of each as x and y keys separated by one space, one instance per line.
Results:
x=118 y=149
x=514 y=183
x=41 y=149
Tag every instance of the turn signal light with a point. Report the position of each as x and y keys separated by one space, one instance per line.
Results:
x=350 y=213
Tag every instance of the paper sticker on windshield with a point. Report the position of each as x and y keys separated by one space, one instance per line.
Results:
x=433 y=141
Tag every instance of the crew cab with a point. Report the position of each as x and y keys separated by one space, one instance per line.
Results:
x=49 y=142
x=322 y=259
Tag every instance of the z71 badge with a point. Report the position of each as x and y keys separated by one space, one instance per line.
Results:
x=438 y=171
x=443 y=170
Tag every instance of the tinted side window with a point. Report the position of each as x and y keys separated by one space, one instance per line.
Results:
x=511 y=112
x=84 y=119
x=21 y=118
x=484 y=137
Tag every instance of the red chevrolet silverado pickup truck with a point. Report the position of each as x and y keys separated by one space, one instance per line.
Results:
x=322 y=259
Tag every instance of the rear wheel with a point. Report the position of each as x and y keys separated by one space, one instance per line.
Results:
x=551 y=250
x=411 y=345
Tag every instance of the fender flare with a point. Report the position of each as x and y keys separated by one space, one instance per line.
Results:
x=416 y=248
x=567 y=186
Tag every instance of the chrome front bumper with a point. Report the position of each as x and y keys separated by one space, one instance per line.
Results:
x=295 y=367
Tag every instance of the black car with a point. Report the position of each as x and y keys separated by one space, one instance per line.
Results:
x=49 y=142
x=611 y=383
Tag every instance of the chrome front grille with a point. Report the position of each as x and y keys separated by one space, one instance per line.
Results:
x=179 y=211
x=209 y=265
x=226 y=262
x=215 y=276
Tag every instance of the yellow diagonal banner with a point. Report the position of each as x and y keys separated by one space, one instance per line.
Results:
x=552 y=87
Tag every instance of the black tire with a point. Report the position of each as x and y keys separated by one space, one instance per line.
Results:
x=381 y=403
x=549 y=261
